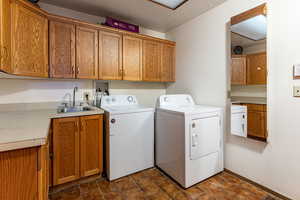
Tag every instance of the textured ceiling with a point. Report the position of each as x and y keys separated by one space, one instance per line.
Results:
x=140 y=12
x=237 y=40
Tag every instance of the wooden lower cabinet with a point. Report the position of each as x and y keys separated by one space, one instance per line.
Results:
x=77 y=148
x=91 y=145
x=257 y=121
x=24 y=174
x=65 y=150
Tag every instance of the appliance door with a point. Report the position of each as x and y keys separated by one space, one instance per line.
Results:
x=205 y=136
x=131 y=145
x=239 y=124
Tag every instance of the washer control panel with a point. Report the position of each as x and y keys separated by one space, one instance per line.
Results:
x=119 y=100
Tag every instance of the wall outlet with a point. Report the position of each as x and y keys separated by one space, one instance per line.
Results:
x=296 y=91
x=86 y=96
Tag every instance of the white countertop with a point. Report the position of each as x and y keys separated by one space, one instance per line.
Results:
x=250 y=100
x=23 y=129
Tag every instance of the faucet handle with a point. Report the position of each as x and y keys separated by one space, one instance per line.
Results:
x=64 y=104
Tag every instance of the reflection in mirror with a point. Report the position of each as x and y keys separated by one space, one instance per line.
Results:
x=249 y=74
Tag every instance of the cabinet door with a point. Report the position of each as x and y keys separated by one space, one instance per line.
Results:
x=86 y=53
x=256 y=69
x=168 y=63
x=43 y=171
x=62 y=50
x=29 y=41
x=132 y=58
x=19 y=174
x=91 y=143
x=257 y=121
x=151 y=60
x=5 y=36
x=65 y=150
x=110 y=56
x=238 y=70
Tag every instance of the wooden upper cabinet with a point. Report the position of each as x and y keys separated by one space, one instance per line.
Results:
x=5 y=36
x=151 y=60
x=110 y=56
x=91 y=143
x=62 y=49
x=29 y=41
x=86 y=53
x=257 y=69
x=168 y=63
x=132 y=58
x=238 y=70
x=66 y=150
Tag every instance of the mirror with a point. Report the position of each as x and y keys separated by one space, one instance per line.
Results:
x=249 y=74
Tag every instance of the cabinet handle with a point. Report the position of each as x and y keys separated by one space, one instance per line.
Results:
x=33 y=67
x=73 y=70
x=78 y=70
x=3 y=54
x=259 y=68
x=77 y=126
x=82 y=125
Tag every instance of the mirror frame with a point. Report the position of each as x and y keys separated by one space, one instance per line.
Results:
x=259 y=10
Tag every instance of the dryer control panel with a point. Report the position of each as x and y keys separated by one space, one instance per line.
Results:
x=176 y=100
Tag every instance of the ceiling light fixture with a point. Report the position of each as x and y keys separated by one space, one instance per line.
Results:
x=171 y=4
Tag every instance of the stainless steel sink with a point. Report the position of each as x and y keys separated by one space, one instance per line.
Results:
x=74 y=109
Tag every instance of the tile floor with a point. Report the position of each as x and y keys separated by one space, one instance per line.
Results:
x=152 y=184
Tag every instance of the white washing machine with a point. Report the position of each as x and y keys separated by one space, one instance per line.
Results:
x=239 y=120
x=129 y=135
x=188 y=139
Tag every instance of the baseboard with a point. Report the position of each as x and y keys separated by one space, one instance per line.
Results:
x=276 y=194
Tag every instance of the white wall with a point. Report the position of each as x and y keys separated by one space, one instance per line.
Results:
x=147 y=93
x=203 y=67
x=249 y=91
x=91 y=18
x=31 y=91
x=257 y=48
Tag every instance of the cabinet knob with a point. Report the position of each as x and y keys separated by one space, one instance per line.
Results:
x=193 y=125
x=113 y=121
x=120 y=71
x=259 y=68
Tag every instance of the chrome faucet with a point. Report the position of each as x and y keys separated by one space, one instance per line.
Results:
x=74 y=92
